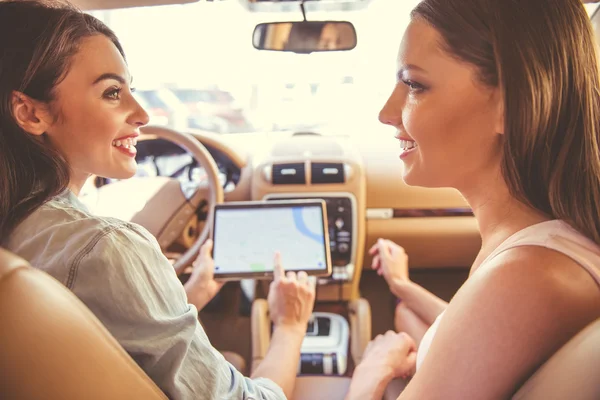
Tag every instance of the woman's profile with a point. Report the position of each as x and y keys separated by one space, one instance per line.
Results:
x=500 y=100
x=67 y=112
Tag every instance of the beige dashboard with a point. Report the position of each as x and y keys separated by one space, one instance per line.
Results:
x=435 y=226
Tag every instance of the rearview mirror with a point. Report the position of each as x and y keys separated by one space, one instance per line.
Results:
x=305 y=36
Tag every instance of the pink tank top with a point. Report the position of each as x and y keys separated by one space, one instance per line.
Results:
x=556 y=235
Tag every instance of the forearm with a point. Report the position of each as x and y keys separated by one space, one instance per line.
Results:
x=281 y=361
x=421 y=301
x=196 y=297
x=368 y=383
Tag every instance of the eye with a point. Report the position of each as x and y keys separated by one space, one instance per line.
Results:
x=414 y=86
x=132 y=90
x=113 y=94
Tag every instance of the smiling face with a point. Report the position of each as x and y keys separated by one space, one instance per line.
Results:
x=449 y=124
x=96 y=117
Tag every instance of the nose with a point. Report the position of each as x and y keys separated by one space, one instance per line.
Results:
x=138 y=117
x=391 y=113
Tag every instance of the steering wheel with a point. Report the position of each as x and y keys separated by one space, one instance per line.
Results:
x=163 y=205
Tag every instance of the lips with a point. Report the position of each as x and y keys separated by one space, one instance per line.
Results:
x=126 y=144
x=131 y=136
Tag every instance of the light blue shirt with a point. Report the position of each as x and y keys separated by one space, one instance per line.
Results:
x=118 y=270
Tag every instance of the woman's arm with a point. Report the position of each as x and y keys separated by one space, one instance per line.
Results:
x=388 y=356
x=391 y=261
x=422 y=302
x=125 y=280
x=503 y=323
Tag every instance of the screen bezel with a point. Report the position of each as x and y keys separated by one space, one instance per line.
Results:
x=252 y=205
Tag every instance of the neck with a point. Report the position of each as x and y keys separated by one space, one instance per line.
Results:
x=77 y=181
x=498 y=213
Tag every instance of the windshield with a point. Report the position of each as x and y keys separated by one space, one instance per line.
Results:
x=194 y=66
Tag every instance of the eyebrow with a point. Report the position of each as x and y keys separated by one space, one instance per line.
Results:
x=409 y=67
x=111 y=75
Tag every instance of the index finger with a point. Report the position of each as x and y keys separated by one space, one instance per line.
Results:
x=278 y=271
x=374 y=248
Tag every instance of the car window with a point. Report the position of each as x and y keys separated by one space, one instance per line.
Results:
x=189 y=95
x=199 y=58
x=595 y=16
x=202 y=53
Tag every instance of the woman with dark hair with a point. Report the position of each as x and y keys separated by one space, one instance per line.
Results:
x=66 y=112
x=499 y=99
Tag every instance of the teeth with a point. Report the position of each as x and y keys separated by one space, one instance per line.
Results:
x=128 y=143
x=407 y=144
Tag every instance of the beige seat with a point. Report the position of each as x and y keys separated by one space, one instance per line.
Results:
x=52 y=347
x=572 y=373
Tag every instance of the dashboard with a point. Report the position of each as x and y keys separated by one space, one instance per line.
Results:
x=359 y=177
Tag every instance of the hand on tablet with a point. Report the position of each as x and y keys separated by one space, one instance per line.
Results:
x=202 y=287
x=291 y=297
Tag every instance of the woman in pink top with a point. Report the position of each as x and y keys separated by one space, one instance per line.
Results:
x=500 y=100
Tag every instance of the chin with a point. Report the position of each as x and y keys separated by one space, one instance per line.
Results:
x=126 y=175
x=420 y=179
x=123 y=173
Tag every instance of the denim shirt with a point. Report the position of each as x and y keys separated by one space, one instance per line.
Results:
x=118 y=270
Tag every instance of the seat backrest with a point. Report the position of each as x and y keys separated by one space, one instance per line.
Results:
x=52 y=347
x=572 y=372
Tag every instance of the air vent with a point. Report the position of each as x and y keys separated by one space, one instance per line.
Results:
x=289 y=174
x=327 y=173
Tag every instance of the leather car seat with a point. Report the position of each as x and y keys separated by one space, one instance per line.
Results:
x=52 y=347
x=573 y=372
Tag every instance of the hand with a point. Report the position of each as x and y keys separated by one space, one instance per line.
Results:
x=393 y=352
x=201 y=287
x=291 y=298
x=390 y=260
x=386 y=357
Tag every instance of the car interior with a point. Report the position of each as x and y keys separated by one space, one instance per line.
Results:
x=297 y=121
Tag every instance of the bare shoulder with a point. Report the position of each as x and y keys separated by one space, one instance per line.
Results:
x=531 y=272
x=505 y=321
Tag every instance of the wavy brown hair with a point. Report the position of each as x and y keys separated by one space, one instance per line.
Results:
x=37 y=42
x=542 y=55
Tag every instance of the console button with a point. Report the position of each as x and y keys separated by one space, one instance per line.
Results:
x=310 y=329
x=311 y=363
x=324 y=325
x=334 y=364
x=343 y=247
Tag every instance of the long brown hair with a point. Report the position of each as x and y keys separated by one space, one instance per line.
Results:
x=542 y=55
x=37 y=41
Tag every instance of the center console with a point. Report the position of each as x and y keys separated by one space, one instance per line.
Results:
x=325 y=346
x=342 y=221
x=331 y=169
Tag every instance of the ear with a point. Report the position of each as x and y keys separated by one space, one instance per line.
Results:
x=499 y=113
x=31 y=115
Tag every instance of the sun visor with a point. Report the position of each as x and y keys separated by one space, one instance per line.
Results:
x=110 y=4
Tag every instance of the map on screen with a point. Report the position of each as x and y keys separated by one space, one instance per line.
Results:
x=245 y=240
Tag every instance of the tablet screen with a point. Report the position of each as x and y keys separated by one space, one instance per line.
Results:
x=247 y=235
